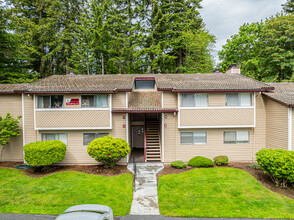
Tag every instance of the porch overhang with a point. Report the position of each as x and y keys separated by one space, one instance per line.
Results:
x=144 y=111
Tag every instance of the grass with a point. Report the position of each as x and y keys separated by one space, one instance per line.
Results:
x=220 y=192
x=53 y=194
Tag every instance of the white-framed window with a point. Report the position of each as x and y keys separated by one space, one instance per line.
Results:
x=55 y=136
x=144 y=84
x=238 y=99
x=50 y=101
x=194 y=100
x=94 y=101
x=88 y=137
x=197 y=137
x=236 y=137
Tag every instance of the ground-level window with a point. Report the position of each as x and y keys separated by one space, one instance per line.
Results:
x=50 y=101
x=198 y=137
x=95 y=101
x=52 y=136
x=236 y=137
x=88 y=137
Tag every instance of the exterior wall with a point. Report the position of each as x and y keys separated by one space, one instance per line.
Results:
x=170 y=100
x=215 y=144
x=217 y=117
x=72 y=119
x=277 y=125
x=217 y=99
x=119 y=100
x=30 y=132
x=72 y=96
x=13 y=105
x=76 y=152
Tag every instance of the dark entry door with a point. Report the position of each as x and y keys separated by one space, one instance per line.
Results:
x=138 y=136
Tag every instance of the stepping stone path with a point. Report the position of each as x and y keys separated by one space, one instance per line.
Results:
x=145 y=197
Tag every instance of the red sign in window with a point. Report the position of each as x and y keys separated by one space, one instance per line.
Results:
x=72 y=101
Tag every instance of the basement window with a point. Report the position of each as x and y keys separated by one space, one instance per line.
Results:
x=236 y=137
x=88 y=137
x=198 y=137
x=52 y=137
x=142 y=84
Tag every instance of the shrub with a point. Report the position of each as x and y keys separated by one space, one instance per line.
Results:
x=278 y=163
x=254 y=166
x=108 y=150
x=178 y=164
x=200 y=162
x=221 y=160
x=44 y=153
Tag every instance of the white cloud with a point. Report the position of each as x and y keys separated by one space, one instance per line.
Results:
x=224 y=17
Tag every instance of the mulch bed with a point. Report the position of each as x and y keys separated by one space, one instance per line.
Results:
x=263 y=178
x=89 y=169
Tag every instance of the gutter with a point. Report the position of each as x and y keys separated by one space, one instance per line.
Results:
x=218 y=90
x=144 y=111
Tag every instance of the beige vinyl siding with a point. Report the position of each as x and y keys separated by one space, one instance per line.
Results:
x=72 y=96
x=215 y=146
x=12 y=104
x=259 y=140
x=30 y=133
x=217 y=99
x=72 y=119
x=217 y=117
x=119 y=100
x=170 y=100
x=170 y=137
x=76 y=152
x=276 y=125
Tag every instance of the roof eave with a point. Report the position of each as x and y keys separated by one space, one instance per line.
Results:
x=279 y=101
x=144 y=111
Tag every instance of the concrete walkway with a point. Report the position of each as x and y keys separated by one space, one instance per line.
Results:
x=145 y=197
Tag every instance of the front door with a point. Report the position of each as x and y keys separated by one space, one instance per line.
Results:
x=138 y=136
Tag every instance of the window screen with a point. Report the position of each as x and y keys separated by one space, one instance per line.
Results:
x=194 y=100
x=236 y=137
x=193 y=137
x=97 y=101
x=88 y=137
x=52 y=136
x=50 y=101
x=238 y=99
x=144 y=84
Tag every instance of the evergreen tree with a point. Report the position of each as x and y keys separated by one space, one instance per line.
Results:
x=289 y=6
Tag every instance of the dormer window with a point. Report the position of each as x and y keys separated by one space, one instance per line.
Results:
x=144 y=84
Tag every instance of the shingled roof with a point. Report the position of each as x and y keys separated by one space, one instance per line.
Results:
x=144 y=102
x=283 y=93
x=10 y=88
x=213 y=82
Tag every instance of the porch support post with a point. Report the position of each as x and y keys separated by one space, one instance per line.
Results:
x=289 y=128
x=162 y=137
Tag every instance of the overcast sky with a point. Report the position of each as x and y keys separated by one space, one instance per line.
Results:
x=224 y=17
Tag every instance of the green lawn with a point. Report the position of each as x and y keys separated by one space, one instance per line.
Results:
x=220 y=192
x=53 y=194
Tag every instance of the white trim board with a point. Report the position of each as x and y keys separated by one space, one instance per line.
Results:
x=217 y=107
x=221 y=126
x=71 y=109
x=75 y=128
x=162 y=137
x=290 y=129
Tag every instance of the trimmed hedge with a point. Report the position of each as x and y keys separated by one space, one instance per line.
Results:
x=178 y=164
x=221 y=160
x=44 y=153
x=200 y=162
x=278 y=163
x=108 y=150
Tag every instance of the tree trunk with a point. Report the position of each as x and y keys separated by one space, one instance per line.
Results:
x=2 y=148
x=102 y=63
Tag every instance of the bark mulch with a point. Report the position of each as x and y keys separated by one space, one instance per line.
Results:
x=89 y=169
x=258 y=174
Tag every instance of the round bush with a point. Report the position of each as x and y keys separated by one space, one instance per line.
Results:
x=221 y=160
x=278 y=163
x=44 y=153
x=200 y=162
x=178 y=164
x=108 y=150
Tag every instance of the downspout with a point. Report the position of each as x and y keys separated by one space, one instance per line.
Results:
x=289 y=128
